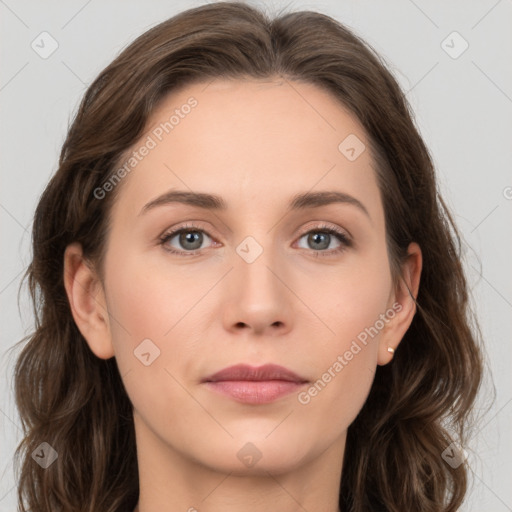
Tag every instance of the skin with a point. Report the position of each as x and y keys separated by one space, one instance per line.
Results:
x=256 y=144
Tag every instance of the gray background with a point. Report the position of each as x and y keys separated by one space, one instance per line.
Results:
x=463 y=108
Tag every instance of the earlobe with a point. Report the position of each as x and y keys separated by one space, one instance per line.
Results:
x=87 y=301
x=404 y=303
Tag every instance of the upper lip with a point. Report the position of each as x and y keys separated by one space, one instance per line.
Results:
x=255 y=373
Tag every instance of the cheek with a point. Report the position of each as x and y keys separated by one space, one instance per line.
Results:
x=345 y=362
x=351 y=300
x=143 y=305
x=147 y=300
x=335 y=398
x=148 y=318
x=354 y=307
x=157 y=316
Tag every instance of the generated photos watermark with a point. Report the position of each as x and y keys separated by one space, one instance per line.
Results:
x=304 y=397
x=151 y=142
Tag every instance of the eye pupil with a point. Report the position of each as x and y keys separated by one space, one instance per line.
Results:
x=317 y=237
x=191 y=237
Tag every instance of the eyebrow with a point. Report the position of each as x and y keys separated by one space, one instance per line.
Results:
x=215 y=202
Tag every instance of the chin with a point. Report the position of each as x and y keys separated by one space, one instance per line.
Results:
x=253 y=455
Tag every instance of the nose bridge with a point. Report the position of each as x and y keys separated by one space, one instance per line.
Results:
x=256 y=296
x=256 y=263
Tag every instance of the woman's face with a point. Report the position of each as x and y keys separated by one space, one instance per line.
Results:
x=261 y=280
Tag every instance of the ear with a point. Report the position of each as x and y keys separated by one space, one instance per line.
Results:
x=402 y=303
x=87 y=300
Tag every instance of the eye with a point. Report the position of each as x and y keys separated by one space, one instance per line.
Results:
x=189 y=238
x=321 y=238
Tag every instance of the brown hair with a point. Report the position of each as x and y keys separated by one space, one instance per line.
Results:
x=76 y=402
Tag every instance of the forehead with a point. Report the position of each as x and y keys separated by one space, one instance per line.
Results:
x=250 y=138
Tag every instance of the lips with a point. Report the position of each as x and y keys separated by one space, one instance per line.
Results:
x=243 y=372
x=255 y=385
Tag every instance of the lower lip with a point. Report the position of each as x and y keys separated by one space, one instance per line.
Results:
x=255 y=392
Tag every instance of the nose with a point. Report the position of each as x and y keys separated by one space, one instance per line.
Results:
x=258 y=297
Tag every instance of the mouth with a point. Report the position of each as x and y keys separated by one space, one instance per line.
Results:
x=255 y=385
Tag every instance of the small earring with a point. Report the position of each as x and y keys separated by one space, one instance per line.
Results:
x=391 y=350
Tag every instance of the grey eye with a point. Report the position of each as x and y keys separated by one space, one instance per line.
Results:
x=319 y=240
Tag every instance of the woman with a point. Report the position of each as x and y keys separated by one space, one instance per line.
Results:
x=310 y=349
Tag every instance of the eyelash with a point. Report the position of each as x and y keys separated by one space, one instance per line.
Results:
x=340 y=235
